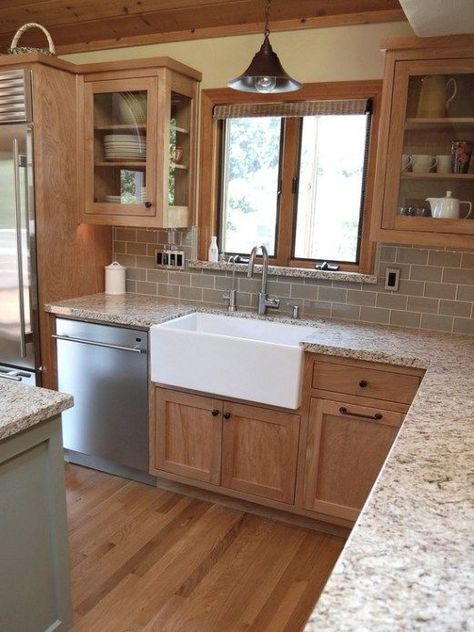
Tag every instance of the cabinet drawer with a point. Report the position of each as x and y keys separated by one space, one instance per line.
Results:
x=365 y=382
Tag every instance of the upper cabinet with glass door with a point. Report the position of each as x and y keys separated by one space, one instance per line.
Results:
x=139 y=144
x=425 y=173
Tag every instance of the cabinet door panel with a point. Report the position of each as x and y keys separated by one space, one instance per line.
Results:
x=120 y=147
x=426 y=151
x=344 y=455
x=187 y=435
x=260 y=451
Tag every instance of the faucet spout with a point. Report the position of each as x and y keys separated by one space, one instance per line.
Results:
x=263 y=300
x=251 y=262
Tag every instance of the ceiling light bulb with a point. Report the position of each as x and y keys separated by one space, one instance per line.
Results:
x=265 y=83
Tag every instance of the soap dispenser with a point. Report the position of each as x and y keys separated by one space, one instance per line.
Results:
x=213 y=254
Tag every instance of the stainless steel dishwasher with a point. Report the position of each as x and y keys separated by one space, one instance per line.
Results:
x=105 y=368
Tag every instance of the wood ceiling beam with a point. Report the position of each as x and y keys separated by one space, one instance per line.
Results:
x=211 y=18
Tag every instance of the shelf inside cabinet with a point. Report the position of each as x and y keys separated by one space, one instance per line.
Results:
x=437 y=176
x=180 y=130
x=120 y=126
x=431 y=123
x=121 y=163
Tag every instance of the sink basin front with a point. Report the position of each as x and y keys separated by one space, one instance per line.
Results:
x=243 y=358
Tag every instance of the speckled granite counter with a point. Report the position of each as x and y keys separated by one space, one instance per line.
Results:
x=408 y=562
x=22 y=407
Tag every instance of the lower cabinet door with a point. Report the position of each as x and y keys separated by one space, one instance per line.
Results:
x=347 y=445
x=187 y=435
x=259 y=451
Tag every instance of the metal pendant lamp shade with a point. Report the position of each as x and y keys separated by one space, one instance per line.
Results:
x=265 y=73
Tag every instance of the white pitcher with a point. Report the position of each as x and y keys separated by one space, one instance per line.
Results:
x=447 y=207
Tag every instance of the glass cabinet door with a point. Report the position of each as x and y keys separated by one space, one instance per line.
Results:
x=430 y=166
x=180 y=159
x=120 y=154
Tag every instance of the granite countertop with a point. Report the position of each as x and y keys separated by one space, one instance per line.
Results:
x=23 y=406
x=408 y=562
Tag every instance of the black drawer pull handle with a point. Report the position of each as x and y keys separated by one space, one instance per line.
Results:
x=377 y=416
x=215 y=412
x=226 y=415
x=363 y=383
x=147 y=204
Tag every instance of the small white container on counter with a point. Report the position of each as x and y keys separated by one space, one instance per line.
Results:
x=115 y=278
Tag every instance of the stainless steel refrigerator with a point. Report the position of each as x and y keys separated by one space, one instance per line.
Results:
x=19 y=348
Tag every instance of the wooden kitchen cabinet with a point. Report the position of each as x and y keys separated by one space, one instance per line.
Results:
x=260 y=448
x=139 y=143
x=319 y=461
x=353 y=412
x=186 y=435
x=427 y=105
x=347 y=445
x=249 y=449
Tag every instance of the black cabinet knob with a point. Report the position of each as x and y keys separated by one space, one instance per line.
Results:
x=215 y=412
x=147 y=204
x=363 y=383
x=226 y=415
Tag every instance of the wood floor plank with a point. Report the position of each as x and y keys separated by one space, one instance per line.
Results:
x=145 y=559
x=295 y=594
x=182 y=560
x=89 y=583
x=206 y=604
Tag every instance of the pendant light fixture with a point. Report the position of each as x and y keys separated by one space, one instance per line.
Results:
x=265 y=73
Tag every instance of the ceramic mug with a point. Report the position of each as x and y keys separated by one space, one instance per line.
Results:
x=444 y=163
x=407 y=162
x=423 y=163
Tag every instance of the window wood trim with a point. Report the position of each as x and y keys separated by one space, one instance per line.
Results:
x=209 y=163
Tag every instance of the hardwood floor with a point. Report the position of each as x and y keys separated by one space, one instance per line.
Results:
x=149 y=559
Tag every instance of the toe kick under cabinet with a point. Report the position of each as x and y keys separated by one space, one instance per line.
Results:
x=319 y=461
x=138 y=150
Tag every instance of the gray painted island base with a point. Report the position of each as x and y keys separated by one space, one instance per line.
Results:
x=34 y=554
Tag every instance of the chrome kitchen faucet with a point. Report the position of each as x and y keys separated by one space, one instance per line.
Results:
x=263 y=300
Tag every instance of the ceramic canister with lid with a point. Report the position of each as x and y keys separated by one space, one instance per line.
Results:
x=115 y=278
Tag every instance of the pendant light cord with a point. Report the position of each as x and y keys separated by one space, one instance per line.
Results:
x=267 y=18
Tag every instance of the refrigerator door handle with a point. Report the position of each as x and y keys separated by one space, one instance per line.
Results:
x=19 y=247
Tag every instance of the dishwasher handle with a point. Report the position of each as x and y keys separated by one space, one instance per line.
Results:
x=12 y=375
x=93 y=343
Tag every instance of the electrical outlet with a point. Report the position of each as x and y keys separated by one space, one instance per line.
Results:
x=392 y=279
x=174 y=259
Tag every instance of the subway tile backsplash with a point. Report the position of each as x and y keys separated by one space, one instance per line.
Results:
x=436 y=286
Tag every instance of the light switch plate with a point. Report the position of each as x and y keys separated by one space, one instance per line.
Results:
x=174 y=259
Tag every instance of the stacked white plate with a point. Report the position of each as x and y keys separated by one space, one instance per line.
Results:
x=124 y=147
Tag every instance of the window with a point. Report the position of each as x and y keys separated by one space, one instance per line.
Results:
x=294 y=175
x=250 y=177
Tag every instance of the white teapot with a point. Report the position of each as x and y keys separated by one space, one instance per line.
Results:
x=447 y=207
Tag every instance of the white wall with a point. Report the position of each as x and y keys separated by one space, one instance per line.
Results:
x=331 y=54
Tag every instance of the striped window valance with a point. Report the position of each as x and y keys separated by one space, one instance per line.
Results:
x=287 y=110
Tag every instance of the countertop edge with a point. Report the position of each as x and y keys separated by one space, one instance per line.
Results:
x=36 y=409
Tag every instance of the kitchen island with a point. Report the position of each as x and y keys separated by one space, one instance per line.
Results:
x=408 y=561
x=34 y=571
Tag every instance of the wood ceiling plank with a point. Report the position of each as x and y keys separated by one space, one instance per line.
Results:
x=213 y=19
x=56 y=12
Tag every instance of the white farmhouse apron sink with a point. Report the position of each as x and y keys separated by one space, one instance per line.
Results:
x=243 y=358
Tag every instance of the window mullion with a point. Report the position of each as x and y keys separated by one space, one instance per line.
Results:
x=288 y=171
